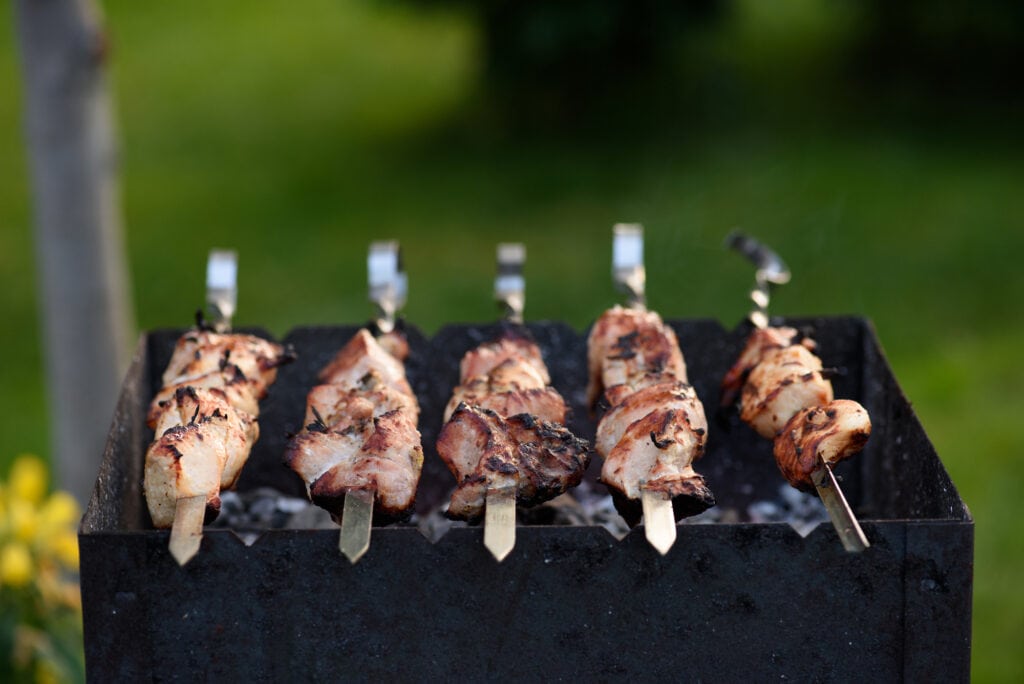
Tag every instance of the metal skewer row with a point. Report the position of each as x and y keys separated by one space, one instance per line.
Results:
x=772 y=270
x=388 y=287
x=630 y=278
x=221 y=301
x=500 y=504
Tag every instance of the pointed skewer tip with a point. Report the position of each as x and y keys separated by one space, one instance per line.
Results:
x=659 y=520
x=356 y=522
x=500 y=522
x=187 y=528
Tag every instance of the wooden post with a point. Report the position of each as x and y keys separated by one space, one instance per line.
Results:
x=87 y=320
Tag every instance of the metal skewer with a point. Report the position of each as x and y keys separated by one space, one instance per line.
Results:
x=500 y=503
x=222 y=288
x=356 y=522
x=388 y=283
x=630 y=278
x=388 y=286
x=221 y=300
x=772 y=270
x=187 y=528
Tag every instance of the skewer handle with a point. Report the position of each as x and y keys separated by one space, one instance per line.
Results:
x=356 y=522
x=659 y=521
x=509 y=283
x=850 y=534
x=222 y=287
x=500 y=521
x=771 y=270
x=388 y=283
x=628 y=270
x=187 y=528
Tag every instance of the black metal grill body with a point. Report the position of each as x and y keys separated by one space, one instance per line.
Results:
x=730 y=602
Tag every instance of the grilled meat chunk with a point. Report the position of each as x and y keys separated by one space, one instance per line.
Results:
x=654 y=426
x=656 y=452
x=196 y=456
x=627 y=343
x=200 y=352
x=513 y=386
x=669 y=394
x=786 y=398
x=204 y=418
x=360 y=356
x=759 y=342
x=361 y=431
x=831 y=433
x=511 y=345
x=786 y=380
x=381 y=453
x=485 y=450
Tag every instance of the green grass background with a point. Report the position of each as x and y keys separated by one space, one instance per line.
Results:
x=298 y=133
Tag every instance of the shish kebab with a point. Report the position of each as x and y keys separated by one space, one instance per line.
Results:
x=360 y=453
x=653 y=426
x=205 y=415
x=785 y=395
x=504 y=437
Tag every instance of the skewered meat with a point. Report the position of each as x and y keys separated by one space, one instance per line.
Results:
x=512 y=345
x=785 y=381
x=627 y=343
x=504 y=428
x=538 y=458
x=513 y=386
x=204 y=418
x=832 y=433
x=786 y=397
x=654 y=426
x=360 y=356
x=361 y=431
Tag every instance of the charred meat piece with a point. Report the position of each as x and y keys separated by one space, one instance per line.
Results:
x=512 y=344
x=627 y=343
x=204 y=418
x=360 y=356
x=787 y=398
x=785 y=381
x=361 y=431
x=656 y=452
x=200 y=352
x=381 y=453
x=242 y=394
x=759 y=342
x=484 y=450
x=665 y=395
x=831 y=433
x=513 y=386
x=194 y=458
x=654 y=426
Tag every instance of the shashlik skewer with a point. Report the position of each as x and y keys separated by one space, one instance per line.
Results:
x=205 y=422
x=360 y=453
x=654 y=426
x=503 y=437
x=785 y=395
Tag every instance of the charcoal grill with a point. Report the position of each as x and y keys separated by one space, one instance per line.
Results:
x=730 y=601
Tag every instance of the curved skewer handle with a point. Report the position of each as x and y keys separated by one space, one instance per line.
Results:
x=771 y=270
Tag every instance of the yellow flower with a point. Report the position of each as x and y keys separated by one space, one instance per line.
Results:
x=59 y=510
x=15 y=565
x=64 y=546
x=28 y=479
x=46 y=673
x=24 y=521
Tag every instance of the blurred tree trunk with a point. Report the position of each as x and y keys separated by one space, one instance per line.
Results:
x=79 y=246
